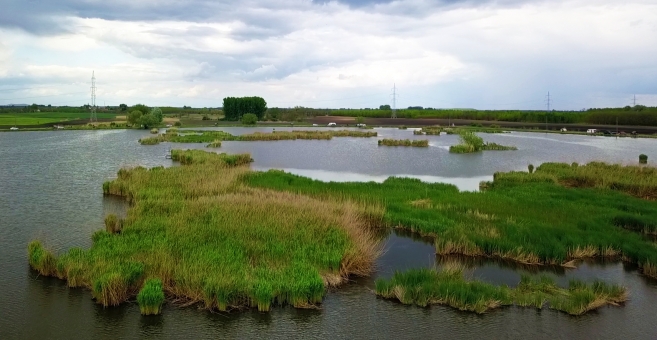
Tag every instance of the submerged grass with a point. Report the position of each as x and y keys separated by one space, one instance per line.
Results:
x=424 y=287
x=208 y=238
x=215 y=144
x=190 y=136
x=404 y=142
x=506 y=221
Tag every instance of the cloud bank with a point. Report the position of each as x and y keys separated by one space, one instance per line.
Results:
x=482 y=54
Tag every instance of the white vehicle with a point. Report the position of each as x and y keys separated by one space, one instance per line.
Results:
x=591 y=131
x=13 y=128
x=315 y=124
x=361 y=125
x=564 y=130
x=332 y=124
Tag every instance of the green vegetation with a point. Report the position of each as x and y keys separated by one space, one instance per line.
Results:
x=505 y=221
x=41 y=118
x=142 y=115
x=234 y=108
x=473 y=143
x=208 y=238
x=190 y=136
x=403 y=127
x=429 y=130
x=113 y=224
x=423 y=287
x=404 y=142
x=249 y=119
x=155 y=131
x=643 y=159
x=215 y=144
x=151 y=297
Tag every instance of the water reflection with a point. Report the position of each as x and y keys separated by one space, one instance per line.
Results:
x=463 y=183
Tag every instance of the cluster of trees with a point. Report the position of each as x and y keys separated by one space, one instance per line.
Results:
x=141 y=114
x=234 y=108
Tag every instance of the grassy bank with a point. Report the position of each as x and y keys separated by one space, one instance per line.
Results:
x=424 y=287
x=526 y=219
x=472 y=143
x=190 y=136
x=209 y=239
x=404 y=142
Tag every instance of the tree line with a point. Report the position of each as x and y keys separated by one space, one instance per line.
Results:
x=234 y=108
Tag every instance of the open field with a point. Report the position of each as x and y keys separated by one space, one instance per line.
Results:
x=43 y=118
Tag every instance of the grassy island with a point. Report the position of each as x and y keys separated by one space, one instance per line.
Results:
x=472 y=143
x=216 y=233
x=190 y=136
x=195 y=234
x=424 y=287
x=545 y=217
x=404 y=142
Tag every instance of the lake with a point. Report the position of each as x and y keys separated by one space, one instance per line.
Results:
x=50 y=188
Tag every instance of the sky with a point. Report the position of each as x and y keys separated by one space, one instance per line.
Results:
x=482 y=54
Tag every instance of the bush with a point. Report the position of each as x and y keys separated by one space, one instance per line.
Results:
x=154 y=131
x=531 y=168
x=249 y=119
x=643 y=159
x=177 y=124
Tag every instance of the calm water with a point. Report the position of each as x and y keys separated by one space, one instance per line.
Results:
x=50 y=188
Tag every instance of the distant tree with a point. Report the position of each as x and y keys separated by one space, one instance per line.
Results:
x=384 y=107
x=134 y=117
x=249 y=119
x=415 y=108
x=34 y=107
x=157 y=112
x=141 y=108
x=148 y=121
x=234 y=108
x=360 y=120
x=123 y=107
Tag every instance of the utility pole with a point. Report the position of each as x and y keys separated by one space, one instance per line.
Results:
x=634 y=100
x=93 y=117
x=394 y=101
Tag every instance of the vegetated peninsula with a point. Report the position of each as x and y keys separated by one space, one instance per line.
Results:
x=213 y=232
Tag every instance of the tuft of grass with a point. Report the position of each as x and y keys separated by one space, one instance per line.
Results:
x=423 y=287
x=113 y=224
x=151 y=297
x=41 y=259
x=155 y=131
x=215 y=144
x=404 y=142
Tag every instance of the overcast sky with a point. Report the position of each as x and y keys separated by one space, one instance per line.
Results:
x=504 y=54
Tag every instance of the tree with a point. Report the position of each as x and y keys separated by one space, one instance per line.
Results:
x=123 y=107
x=384 y=107
x=134 y=117
x=142 y=108
x=360 y=120
x=157 y=112
x=234 y=108
x=249 y=119
x=148 y=120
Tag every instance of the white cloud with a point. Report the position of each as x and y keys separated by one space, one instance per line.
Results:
x=588 y=53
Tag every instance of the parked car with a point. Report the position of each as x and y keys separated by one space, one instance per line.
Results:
x=332 y=124
x=591 y=131
x=361 y=125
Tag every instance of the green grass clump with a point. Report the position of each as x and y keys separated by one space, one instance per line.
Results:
x=215 y=144
x=152 y=140
x=155 y=131
x=190 y=136
x=151 y=297
x=423 y=287
x=40 y=259
x=470 y=143
x=504 y=221
x=113 y=224
x=429 y=130
x=404 y=142
x=209 y=239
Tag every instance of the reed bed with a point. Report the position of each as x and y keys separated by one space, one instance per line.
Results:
x=211 y=240
x=155 y=131
x=215 y=144
x=210 y=136
x=505 y=221
x=429 y=130
x=472 y=143
x=423 y=287
x=404 y=142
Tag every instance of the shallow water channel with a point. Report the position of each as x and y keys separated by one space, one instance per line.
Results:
x=50 y=188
